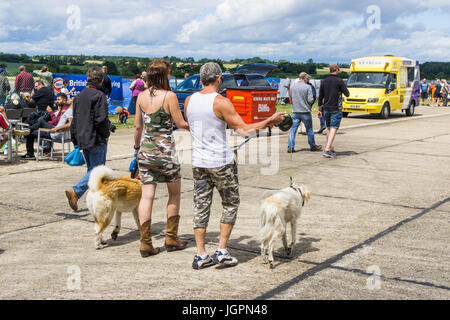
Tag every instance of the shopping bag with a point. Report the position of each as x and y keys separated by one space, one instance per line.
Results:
x=75 y=158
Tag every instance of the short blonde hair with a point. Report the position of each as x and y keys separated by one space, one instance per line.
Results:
x=26 y=97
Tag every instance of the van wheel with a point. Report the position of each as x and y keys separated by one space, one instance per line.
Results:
x=345 y=114
x=410 y=110
x=385 y=112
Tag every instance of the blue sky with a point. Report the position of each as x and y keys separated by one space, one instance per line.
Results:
x=295 y=30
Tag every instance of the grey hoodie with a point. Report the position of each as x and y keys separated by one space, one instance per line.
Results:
x=302 y=97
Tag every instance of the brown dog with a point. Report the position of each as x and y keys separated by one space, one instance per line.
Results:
x=108 y=197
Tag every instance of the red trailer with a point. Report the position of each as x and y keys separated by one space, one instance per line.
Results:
x=254 y=104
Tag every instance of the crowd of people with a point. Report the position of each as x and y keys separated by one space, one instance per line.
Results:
x=435 y=92
x=49 y=113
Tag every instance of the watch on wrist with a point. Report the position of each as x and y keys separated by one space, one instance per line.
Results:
x=136 y=148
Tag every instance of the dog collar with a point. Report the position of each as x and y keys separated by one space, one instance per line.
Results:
x=301 y=193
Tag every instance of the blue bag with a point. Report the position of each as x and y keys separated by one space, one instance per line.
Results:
x=133 y=163
x=134 y=168
x=75 y=158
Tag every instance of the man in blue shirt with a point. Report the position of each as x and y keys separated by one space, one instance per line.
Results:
x=424 y=90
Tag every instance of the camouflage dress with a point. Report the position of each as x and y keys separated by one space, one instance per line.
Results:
x=158 y=160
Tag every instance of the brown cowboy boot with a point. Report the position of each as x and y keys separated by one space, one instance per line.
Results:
x=146 y=241
x=172 y=242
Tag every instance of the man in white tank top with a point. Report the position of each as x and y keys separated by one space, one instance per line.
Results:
x=208 y=115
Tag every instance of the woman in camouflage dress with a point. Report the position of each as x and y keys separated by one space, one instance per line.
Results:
x=157 y=110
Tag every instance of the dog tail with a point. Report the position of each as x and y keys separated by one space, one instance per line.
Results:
x=98 y=176
x=270 y=223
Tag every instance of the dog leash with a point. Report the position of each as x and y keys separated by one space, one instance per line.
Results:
x=299 y=190
x=236 y=148
x=292 y=158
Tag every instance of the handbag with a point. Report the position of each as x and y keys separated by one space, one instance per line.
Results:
x=75 y=158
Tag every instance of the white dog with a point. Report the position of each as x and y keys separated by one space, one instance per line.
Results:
x=277 y=208
x=108 y=197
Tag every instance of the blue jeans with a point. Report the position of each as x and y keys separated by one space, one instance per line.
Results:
x=333 y=118
x=306 y=118
x=95 y=156
x=123 y=120
x=322 y=122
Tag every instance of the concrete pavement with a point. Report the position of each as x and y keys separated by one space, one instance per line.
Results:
x=376 y=227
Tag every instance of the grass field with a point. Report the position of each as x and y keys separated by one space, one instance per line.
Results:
x=288 y=108
x=327 y=70
x=130 y=122
x=114 y=118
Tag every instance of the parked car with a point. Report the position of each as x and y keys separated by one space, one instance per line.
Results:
x=251 y=75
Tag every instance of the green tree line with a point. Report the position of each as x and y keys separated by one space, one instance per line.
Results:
x=130 y=66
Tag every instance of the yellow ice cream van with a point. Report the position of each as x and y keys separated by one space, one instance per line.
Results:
x=380 y=85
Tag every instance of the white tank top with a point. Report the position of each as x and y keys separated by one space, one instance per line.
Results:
x=210 y=143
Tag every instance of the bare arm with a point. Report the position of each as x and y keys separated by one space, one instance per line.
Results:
x=138 y=124
x=224 y=110
x=133 y=84
x=62 y=128
x=174 y=110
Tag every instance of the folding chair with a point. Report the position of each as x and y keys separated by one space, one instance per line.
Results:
x=14 y=114
x=26 y=113
x=41 y=141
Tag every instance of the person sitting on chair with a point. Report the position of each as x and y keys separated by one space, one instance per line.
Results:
x=27 y=101
x=43 y=97
x=4 y=124
x=14 y=103
x=55 y=132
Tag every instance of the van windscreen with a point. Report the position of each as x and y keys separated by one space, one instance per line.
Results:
x=368 y=80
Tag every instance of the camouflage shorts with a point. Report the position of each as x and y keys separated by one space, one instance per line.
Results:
x=225 y=179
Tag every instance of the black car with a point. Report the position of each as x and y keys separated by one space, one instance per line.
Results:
x=251 y=76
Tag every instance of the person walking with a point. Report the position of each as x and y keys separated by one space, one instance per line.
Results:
x=24 y=82
x=302 y=101
x=424 y=90
x=330 y=106
x=444 y=92
x=90 y=130
x=5 y=87
x=208 y=114
x=157 y=112
x=437 y=94
x=137 y=86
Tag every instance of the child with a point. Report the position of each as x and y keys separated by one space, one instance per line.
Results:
x=66 y=91
x=123 y=114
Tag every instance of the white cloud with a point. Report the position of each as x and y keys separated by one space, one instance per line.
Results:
x=275 y=29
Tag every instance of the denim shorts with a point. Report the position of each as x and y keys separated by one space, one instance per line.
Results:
x=332 y=118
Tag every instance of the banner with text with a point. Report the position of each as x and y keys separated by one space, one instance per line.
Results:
x=79 y=82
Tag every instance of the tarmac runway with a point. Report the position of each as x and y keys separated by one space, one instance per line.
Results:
x=376 y=227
